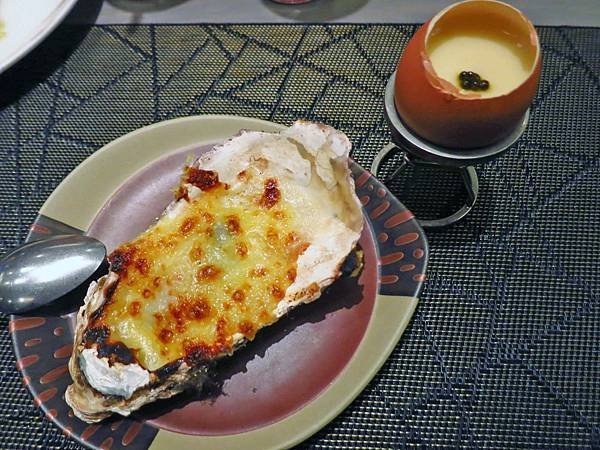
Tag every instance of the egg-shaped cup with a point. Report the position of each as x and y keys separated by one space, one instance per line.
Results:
x=436 y=107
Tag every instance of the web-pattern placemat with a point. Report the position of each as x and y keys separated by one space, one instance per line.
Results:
x=504 y=349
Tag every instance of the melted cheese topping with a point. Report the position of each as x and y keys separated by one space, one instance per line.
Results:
x=197 y=280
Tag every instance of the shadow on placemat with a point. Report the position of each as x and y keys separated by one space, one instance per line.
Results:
x=429 y=192
x=46 y=59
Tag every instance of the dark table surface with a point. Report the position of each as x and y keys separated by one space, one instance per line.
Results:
x=541 y=12
x=504 y=348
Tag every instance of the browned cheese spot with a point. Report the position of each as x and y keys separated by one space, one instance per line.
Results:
x=188 y=225
x=142 y=266
x=196 y=352
x=238 y=296
x=258 y=271
x=177 y=313
x=120 y=259
x=233 y=224
x=134 y=308
x=202 y=179
x=241 y=249
x=277 y=292
x=291 y=275
x=221 y=331
x=196 y=253
x=208 y=272
x=272 y=235
x=198 y=309
x=165 y=335
x=246 y=328
x=271 y=193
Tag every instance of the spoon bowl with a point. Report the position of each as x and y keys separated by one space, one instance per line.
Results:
x=40 y=272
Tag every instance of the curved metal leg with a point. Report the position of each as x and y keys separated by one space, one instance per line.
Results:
x=469 y=176
x=379 y=157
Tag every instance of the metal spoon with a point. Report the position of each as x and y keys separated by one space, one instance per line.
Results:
x=40 y=272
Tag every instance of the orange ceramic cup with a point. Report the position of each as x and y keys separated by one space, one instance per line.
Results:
x=437 y=108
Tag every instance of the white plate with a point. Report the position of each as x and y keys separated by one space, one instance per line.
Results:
x=26 y=24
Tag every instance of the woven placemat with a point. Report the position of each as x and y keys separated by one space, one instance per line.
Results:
x=504 y=349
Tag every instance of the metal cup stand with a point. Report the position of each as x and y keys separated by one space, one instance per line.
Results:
x=417 y=151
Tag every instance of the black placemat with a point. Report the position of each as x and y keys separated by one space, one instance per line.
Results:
x=504 y=349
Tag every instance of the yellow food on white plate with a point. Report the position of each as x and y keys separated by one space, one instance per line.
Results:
x=260 y=224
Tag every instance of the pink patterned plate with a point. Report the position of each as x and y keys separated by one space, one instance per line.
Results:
x=295 y=377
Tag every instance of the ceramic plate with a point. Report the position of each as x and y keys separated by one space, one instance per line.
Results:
x=24 y=23
x=295 y=377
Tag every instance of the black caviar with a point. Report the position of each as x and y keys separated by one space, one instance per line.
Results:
x=471 y=81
